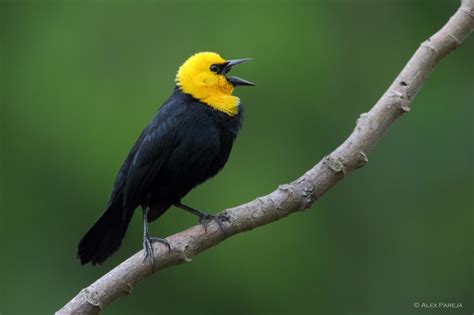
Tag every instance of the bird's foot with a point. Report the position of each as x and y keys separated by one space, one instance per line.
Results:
x=148 y=248
x=205 y=218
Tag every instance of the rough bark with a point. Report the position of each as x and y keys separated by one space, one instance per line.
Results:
x=301 y=193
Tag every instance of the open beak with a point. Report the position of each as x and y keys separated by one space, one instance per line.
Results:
x=235 y=81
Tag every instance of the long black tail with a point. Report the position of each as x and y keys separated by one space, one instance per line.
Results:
x=105 y=236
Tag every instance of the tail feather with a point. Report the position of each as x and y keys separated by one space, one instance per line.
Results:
x=105 y=236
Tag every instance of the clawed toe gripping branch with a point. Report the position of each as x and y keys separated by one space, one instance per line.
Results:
x=298 y=195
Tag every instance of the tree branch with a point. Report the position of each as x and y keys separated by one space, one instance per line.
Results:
x=301 y=193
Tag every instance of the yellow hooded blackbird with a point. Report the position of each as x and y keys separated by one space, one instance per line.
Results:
x=187 y=142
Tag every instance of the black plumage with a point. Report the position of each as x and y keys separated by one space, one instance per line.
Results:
x=186 y=143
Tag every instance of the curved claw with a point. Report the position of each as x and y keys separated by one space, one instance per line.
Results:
x=149 y=250
x=163 y=241
x=204 y=218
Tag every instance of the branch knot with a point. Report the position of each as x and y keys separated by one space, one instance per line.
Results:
x=91 y=297
x=335 y=164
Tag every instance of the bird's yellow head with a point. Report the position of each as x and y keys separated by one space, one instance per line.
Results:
x=203 y=76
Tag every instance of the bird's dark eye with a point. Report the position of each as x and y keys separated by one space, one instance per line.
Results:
x=214 y=68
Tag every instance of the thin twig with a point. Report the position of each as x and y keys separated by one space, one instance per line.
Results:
x=301 y=193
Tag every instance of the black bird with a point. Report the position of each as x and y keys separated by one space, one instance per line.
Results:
x=187 y=142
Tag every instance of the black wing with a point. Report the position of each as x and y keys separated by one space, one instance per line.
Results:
x=117 y=191
x=160 y=139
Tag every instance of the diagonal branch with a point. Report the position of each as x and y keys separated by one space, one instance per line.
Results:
x=301 y=193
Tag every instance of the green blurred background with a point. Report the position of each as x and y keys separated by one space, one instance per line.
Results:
x=79 y=80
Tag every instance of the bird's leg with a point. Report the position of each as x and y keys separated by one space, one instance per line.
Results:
x=205 y=217
x=149 y=240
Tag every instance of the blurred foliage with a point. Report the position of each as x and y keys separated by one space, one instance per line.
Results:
x=80 y=79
